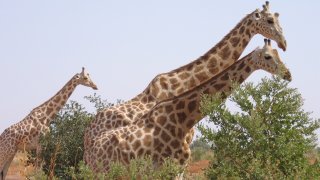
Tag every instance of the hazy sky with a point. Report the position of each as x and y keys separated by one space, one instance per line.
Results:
x=124 y=44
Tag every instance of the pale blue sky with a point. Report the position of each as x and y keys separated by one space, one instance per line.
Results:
x=124 y=44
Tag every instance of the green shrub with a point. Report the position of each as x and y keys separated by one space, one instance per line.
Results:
x=200 y=150
x=267 y=138
x=63 y=146
x=141 y=169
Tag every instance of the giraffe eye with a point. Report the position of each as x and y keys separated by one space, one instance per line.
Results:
x=257 y=15
x=270 y=21
x=267 y=57
x=85 y=78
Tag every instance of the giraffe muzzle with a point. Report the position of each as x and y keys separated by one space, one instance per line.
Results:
x=287 y=76
x=282 y=42
x=95 y=87
x=283 y=45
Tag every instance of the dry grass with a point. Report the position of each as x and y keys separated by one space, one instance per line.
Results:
x=195 y=170
x=18 y=169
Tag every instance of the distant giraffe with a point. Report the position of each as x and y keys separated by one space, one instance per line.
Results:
x=25 y=134
x=171 y=84
x=161 y=132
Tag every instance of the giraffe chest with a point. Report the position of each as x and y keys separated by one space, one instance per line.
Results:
x=174 y=148
x=29 y=143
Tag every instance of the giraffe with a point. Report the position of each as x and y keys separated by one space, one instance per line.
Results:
x=25 y=134
x=161 y=132
x=180 y=80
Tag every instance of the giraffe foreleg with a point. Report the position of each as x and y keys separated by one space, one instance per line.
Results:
x=6 y=167
x=7 y=152
x=38 y=156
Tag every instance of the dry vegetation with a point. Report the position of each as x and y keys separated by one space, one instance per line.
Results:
x=18 y=169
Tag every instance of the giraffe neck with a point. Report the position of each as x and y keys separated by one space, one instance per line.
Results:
x=186 y=106
x=221 y=56
x=51 y=107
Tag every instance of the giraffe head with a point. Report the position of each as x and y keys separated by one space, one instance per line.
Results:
x=267 y=24
x=269 y=60
x=83 y=78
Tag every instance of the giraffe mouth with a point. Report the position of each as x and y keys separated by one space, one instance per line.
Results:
x=95 y=87
x=283 y=45
x=287 y=76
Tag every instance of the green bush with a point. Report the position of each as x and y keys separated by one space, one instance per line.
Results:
x=267 y=138
x=63 y=146
x=200 y=150
x=141 y=168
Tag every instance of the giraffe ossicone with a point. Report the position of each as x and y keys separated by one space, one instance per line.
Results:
x=25 y=134
x=161 y=132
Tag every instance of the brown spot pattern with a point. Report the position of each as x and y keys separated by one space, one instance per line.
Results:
x=181 y=117
x=225 y=53
x=49 y=111
x=180 y=105
x=165 y=137
x=241 y=66
x=248 y=69
x=192 y=106
x=184 y=76
x=235 y=41
x=241 y=30
x=225 y=77
x=219 y=86
x=202 y=76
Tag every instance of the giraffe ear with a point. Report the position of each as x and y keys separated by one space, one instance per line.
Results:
x=78 y=76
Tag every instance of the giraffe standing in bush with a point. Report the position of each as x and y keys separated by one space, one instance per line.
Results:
x=172 y=84
x=161 y=132
x=25 y=134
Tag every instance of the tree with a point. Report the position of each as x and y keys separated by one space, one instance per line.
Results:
x=63 y=146
x=100 y=103
x=268 y=137
x=200 y=150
